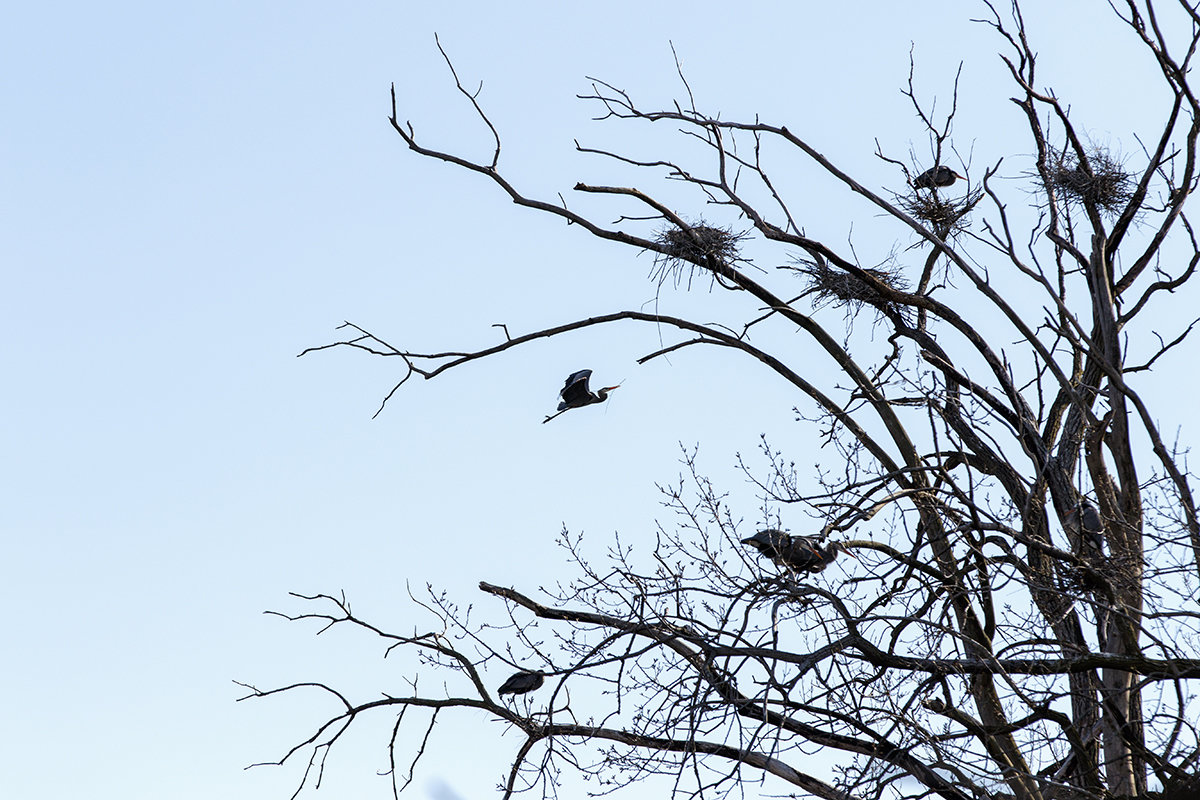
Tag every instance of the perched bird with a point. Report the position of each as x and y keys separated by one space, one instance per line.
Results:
x=522 y=682
x=800 y=553
x=1091 y=533
x=1085 y=529
x=936 y=177
x=575 y=393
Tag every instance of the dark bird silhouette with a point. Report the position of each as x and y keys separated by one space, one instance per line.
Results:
x=936 y=177
x=1091 y=532
x=801 y=553
x=575 y=393
x=522 y=683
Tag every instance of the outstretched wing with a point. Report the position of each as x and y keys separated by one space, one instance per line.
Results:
x=575 y=389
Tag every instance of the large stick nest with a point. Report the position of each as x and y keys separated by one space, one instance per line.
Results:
x=696 y=247
x=945 y=215
x=1100 y=180
x=838 y=287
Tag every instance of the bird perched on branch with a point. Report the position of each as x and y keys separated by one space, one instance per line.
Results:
x=575 y=393
x=522 y=683
x=936 y=177
x=801 y=553
x=1091 y=532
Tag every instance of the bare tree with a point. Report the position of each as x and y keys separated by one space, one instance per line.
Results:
x=1029 y=628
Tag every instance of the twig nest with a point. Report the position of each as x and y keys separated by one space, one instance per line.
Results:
x=686 y=249
x=1101 y=180
x=945 y=215
x=831 y=285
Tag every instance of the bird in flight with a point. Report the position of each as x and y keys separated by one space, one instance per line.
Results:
x=936 y=177
x=575 y=393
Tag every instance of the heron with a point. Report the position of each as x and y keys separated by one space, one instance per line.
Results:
x=1092 y=531
x=936 y=177
x=1088 y=543
x=575 y=393
x=522 y=682
x=801 y=553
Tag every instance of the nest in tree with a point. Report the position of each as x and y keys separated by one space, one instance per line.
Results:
x=686 y=249
x=1098 y=575
x=1078 y=580
x=831 y=285
x=946 y=216
x=1101 y=181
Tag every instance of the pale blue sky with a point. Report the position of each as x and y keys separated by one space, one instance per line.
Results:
x=193 y=194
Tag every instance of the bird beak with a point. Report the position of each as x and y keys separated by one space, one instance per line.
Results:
x=611 y=388
x=960 y=177
x=851 y=553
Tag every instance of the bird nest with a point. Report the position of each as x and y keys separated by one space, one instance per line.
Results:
x=841 y=288
x=698 y=246
x=1104 y=183
x=1099 y=575
x=946 y=216
x=1078 y=580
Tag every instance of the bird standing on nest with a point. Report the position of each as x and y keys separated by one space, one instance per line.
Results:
x=936 y=178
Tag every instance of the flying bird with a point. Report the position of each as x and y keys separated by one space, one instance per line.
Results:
x=522 y=682
x=575 y=393
x=801 y=553
x=936 y=177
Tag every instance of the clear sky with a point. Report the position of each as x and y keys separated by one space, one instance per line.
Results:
x=191 y=194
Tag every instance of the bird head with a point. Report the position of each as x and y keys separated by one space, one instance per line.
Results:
x=840 y=547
